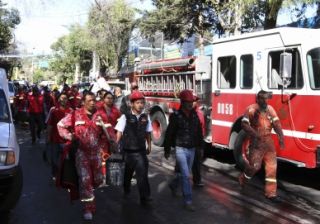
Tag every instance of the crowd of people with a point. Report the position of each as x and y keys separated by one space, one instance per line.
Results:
x=94 y=126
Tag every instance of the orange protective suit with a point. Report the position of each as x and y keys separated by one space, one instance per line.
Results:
x=258 y=125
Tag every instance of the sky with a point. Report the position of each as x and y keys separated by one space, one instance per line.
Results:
x=44 y=21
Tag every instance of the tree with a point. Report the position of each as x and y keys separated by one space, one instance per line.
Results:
x=9 y=19
x=110 y=25
x=72 y=53
x=180 y=19
x=38 y=76
x=250 y=14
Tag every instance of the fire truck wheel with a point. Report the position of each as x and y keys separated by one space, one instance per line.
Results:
x=240 y=151
x=159 y=126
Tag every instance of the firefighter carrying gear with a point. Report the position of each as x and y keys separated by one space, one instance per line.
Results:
x=258 y=124
x=88 y=156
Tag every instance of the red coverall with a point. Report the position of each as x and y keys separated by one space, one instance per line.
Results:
x=74 y=100
x=54 y=116
x=36 y=117
x=48 y=102
x=21 y=104
x=20 y=101
x=258 y=125
x=88 y=156
x=111 y=116
x=99 y=104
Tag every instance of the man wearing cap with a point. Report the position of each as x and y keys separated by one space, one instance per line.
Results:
x=126 y=102
x=134 y=128
x=185 y=134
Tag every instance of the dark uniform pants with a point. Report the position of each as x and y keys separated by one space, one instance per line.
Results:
x=196 y=167
x=35 y=119
x=137 y=162
x=263 y=151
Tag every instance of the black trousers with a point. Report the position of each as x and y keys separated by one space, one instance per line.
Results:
x=196 y=166
x=137 y=162
x=35 y=121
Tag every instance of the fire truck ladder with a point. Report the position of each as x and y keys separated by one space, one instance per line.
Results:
x=166 y=84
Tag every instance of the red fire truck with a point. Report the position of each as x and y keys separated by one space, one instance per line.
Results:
x=283 y=61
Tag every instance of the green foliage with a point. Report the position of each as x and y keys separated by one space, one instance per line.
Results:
x=9 y=19
x=72 y=49
x=110 y=25
x=179 y=19
x=38 y=76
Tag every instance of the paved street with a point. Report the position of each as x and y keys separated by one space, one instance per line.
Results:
x=220 y=201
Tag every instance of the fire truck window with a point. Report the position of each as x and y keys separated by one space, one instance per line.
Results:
x=313 y=59
x=274 y=78
x=246 y=71
x=227 y=72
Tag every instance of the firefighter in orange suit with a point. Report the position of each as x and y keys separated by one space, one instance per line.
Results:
x=257 y=122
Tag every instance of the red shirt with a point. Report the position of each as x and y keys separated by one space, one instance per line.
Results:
x=100 y=105
x=109 y=128
x=111 y=116
x=201 y=119
x=54 y=116
x=35 y=103
x=75 y=100
x=21 y=101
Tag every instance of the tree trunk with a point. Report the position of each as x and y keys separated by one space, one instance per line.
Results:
x=95 y=65
x=271 y=15
x=77 y=73
x=201 y=37
x=237 y=19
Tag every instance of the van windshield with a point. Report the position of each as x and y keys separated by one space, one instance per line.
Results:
x=313 y=60
x=4 y=110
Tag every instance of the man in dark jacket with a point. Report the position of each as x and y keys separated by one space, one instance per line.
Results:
x=184 y=132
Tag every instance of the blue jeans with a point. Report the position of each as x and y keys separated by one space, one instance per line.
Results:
x=184 y=157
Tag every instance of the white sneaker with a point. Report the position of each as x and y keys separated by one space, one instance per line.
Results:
x=87 y=216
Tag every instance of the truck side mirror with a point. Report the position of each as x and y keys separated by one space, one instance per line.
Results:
x=285 y=67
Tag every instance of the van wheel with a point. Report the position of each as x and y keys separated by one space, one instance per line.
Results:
x=13 y=195
x=241 y=149
x=159 y=126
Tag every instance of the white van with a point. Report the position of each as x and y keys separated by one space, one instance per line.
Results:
x=10 y=171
